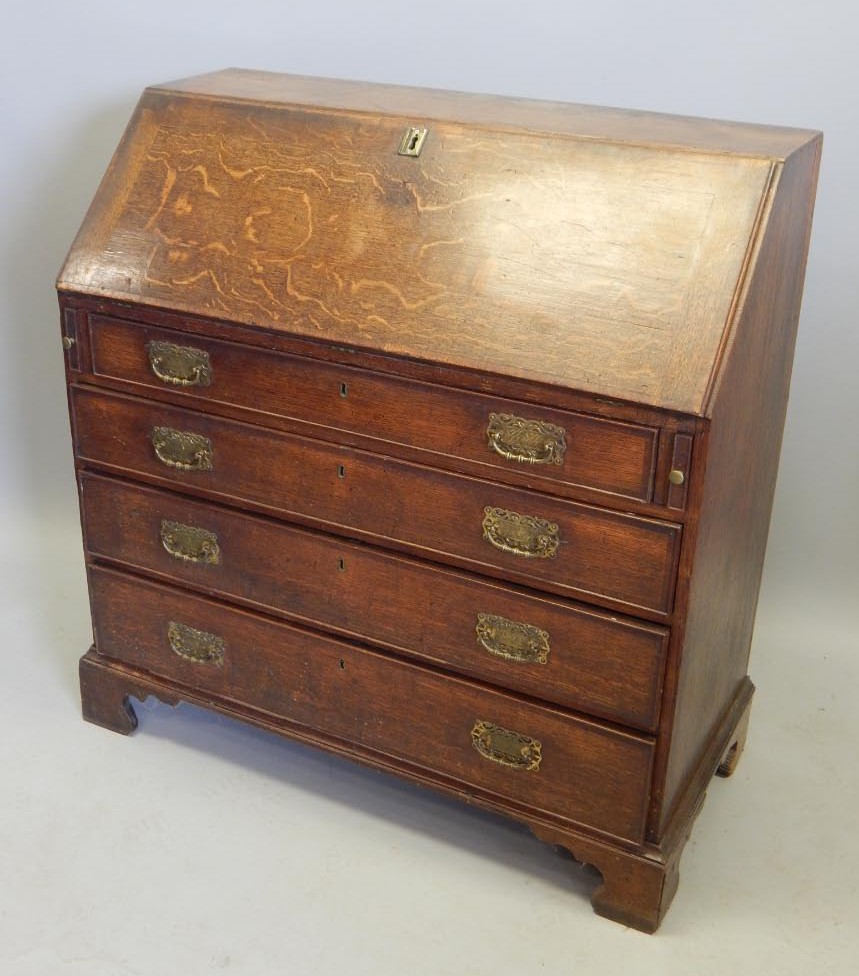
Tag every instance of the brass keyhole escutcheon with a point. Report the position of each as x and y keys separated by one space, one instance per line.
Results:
x=412 y=141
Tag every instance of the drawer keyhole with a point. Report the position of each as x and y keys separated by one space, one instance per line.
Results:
x=341 y=564
x=341 y=470
x=344 y=390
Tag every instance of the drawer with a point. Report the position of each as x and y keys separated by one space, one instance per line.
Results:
x=561 y=546
x=563 y=653
x=491 y=742
x=555 y=450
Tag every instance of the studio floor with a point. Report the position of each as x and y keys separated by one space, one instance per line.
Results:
x=200 y=845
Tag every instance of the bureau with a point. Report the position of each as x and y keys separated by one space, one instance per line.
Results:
x=440 y=431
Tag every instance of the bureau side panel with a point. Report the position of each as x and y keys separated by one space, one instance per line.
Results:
x=742 y=451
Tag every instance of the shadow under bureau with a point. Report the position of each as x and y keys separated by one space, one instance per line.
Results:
x=441 y=431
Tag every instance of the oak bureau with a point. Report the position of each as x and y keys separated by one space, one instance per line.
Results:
x=441 y=431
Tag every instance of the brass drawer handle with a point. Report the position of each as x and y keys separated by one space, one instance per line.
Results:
x=523 y=535
x=512 y=640
x=508 y=748
x=190 y=544
x=196 y=645
x=181 y=449
x=528 y=441
x=179 y=365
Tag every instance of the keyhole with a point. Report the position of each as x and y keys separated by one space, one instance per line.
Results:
x=342 y=664
x=341 y=470
x=344 y=390
x=412 y=141
x=341 y=564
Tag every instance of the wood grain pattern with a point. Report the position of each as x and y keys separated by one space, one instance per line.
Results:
x=567 y=262
x=390 y=502
x=446 y=425
x=607 y=666
x=339 y=689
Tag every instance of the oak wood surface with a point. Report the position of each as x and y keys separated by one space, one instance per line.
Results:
x=381 y=703
x=85 y=307
x=449 y=426
x=604 y=665
x=579 y=263
x=742 y=449
x=637 y=885
x=601 y=554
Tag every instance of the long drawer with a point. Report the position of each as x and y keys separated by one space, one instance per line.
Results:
x=561 y=546
x=556 y=449
x=491 y=742
x=563 y=653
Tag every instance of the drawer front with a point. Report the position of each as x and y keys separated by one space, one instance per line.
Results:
x=562 y=653
x=558 y=545
x=553 y=449
x=487 y=740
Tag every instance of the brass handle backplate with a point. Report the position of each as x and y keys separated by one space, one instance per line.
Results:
x=181 y=449
x=512 y=640
x=527 y=441
x=179 y=365
x=190 y=544
x=508 y=748
x=523 y=535
x=196 y=645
